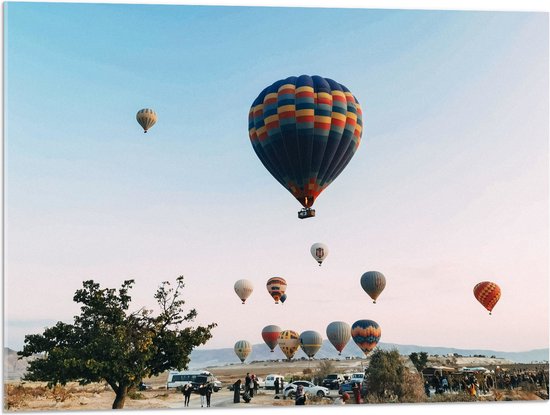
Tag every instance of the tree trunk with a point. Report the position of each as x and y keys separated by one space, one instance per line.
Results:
x=121 y=393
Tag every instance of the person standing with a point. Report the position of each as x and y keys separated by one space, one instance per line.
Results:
x=300 y=395
x=209 y=391
x=256 y=384
x=187 y=389
x=202 y=393
x=282 y=384
x=237 y=391
x=356 y=393
x=276 y=384
x=247 y=383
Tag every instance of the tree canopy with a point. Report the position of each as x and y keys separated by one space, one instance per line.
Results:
x=109 y=343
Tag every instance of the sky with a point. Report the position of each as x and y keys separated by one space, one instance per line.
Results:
x=448 y=188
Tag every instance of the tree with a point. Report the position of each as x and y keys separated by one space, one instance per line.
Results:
x=108 y=343
x=388 y=378
x=419 y=360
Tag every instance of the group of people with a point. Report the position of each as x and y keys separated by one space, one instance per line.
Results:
x=205 y=391
x=251 y=386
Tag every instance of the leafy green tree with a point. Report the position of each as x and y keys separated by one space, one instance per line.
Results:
x=388 y=379
x=108 y=343
x=419 y=360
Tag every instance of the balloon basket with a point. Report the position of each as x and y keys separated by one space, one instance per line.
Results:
x=306 y=213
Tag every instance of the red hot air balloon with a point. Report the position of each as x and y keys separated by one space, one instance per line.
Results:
x=305 y=130
x=276 y=286
x=488 y=294
x=270 y=334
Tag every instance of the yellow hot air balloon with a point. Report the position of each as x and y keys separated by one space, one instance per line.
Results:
x=289 y=341
x=146 y=117
x=242 y=349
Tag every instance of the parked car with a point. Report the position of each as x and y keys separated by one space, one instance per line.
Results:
x=270 y=381
x=347 y=387
x=357 y=377
x=309 y=389
x=333 y=381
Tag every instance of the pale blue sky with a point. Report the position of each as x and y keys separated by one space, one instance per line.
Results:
x=449 y=186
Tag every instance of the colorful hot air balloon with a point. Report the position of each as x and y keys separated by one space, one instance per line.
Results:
x=243 y=288
x=310 y=342
x=242 y=349
x=146 y=117
x=283 y=298
x=488 y=294
x=276 y=286
x=339 y=333
x=289 y=341
x=270 y=334
x=373 y=282
x=305 y=130
x=319 y=252
x=366 y=334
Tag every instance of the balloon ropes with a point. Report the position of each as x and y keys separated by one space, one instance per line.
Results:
x=305 y=130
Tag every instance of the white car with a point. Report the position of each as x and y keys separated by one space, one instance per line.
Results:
x=270 y=381
x=309 y=389
x=357 y=377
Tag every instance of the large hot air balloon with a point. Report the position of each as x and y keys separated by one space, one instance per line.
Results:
x=289 y=341
x=339 y=333
x=242 y=349
x=305 y=130
x=243 y=288
x=283 y=298
x=276 y=286
x=310 y=342
x=146 y=117
x=319 y=252
x=366 y=334
x=270 y=334
x=373 y=282
x=488 y=294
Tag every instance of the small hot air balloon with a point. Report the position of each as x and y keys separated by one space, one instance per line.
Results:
x=270 y=334
x=373 y=282
x=146 y=117
x=366 y=334
x=283 y=298
x=339 y=333
x=319 y=252
x=305 y=130
x=242 y=349
x=310 y=342
x=289 y=341
x=488 y=294
x=276 y=286
x=243 y=288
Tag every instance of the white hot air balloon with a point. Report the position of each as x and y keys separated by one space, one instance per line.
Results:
x=319 y=252
x=244 y=288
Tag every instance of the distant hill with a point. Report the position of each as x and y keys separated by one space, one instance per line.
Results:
x=201 y=358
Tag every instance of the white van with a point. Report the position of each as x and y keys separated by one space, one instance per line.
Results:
x=194 y=378
x=270 y=381
x=357 y=377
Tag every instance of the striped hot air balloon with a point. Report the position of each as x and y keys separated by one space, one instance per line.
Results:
x=310 y=342
x=243 y=288
x=276 y=286
x=305 y=130
x=373 y=282
x=270 y=334
x=289 y=341
x=488 y=294
x=339 y=333
x=146 y=117
x=242 y=349
x=366 y=334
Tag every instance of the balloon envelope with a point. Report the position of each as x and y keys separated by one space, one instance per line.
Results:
x=283 y=298
x=305 y=130
x=310 y=342
x=243 y=288
x=289 y=341
x=339 y=333
x=488 y=294
x=276 y=286
x=270 y=334
x=366 y=334
x=319 y=252
x=373 y=282
x=242 y=349
x=146 y=117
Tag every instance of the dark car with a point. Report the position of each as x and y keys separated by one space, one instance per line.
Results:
x=333 y=381
x=348 y=388
x=199 y=380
